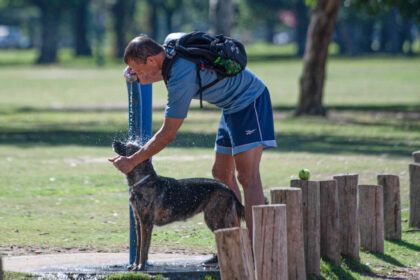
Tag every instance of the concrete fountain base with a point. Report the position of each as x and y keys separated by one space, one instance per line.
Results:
x=96 y=265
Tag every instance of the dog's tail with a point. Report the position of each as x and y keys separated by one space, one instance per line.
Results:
x=240 y=209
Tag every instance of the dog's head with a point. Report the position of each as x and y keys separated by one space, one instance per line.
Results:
x=125 y=148
x=129 y=148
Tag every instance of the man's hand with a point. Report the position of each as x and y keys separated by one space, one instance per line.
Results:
x=159 y=141
x=123 y=164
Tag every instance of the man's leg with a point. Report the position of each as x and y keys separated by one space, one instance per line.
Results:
x=224 y=170
x=248 y=167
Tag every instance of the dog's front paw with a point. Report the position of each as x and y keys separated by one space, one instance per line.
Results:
x=133 y=267
x=142 y=267
x=212 y=262
x=137 y=267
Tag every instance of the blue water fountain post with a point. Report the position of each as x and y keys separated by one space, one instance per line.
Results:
x=139 y=127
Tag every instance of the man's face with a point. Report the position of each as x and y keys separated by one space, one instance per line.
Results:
x=148 y=72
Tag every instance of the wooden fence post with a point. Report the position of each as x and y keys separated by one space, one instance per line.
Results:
x=415 y=195
x=311 y=224
x=292 y=197
x=392 y=205
x=416 y=156
x=270 y=241
x=330 y=221
x=235 y=255
x=349 y=224
x=371 y=218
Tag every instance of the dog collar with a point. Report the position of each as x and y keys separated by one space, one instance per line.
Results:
x=142 y=180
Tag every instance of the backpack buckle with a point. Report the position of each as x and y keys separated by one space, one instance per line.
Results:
x=170 y=52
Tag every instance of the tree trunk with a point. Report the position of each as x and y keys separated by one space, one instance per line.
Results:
x=153 y=19
x=221 y=16
x=320 y=29
x=50 y=19
x=169 y=13
x=82 y=46
x=123 y=12
x=301 y=26
x=270 y=29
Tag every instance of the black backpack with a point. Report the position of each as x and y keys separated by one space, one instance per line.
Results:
x=224 y=55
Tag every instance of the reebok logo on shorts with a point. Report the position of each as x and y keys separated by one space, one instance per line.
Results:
x=249 y=132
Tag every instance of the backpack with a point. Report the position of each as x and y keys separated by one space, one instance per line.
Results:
x=222 y=54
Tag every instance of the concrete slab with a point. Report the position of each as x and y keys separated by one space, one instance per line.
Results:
x=90 y=265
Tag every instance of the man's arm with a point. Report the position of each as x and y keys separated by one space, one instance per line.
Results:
x=158 y=142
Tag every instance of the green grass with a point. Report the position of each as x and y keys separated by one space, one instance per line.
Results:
x=58 y=192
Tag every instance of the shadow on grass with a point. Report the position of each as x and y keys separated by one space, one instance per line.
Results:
x=290 y=142
x=406 y=245
x=329 y=270
x=389 y=259
x=357 y=266
x=351 y=269
x=393 y=108
x=346 y=269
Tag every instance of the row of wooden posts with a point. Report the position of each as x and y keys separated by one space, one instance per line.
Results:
x=314 y=219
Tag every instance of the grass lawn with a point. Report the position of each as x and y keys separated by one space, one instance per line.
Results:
x=58 y=193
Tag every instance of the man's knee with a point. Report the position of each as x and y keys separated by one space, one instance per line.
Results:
x=248 y=179
x=220 y=174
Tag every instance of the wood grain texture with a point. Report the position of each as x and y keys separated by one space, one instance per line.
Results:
x=292 y=197
x=270 y=242
x=371 y=218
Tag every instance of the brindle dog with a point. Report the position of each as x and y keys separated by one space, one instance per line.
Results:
x=158 y=200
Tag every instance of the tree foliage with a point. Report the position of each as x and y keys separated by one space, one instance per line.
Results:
x=266 y=11
x=408 y=8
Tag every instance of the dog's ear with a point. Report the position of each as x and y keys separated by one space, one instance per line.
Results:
x=119 y=147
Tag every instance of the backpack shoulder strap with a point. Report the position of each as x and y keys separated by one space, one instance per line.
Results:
x=166 y=68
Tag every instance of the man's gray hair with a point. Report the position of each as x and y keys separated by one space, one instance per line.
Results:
x=140 y=48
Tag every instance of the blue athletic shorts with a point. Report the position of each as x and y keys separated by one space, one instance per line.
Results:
x=248 y=128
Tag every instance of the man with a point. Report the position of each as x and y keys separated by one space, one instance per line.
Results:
x=245 y=128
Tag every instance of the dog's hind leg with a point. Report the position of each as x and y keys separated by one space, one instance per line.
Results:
x=221 y=212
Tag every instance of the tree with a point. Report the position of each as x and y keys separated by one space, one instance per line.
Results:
x=408 y=8
x=80 y=15
x=354 y=32
x=169 y=7
x=153 y=19
x=267 y=12
x=323 y=17
x=123 y=15
x=301 y=12
x=51 y=11
x=221 y=16
x=321 y=26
